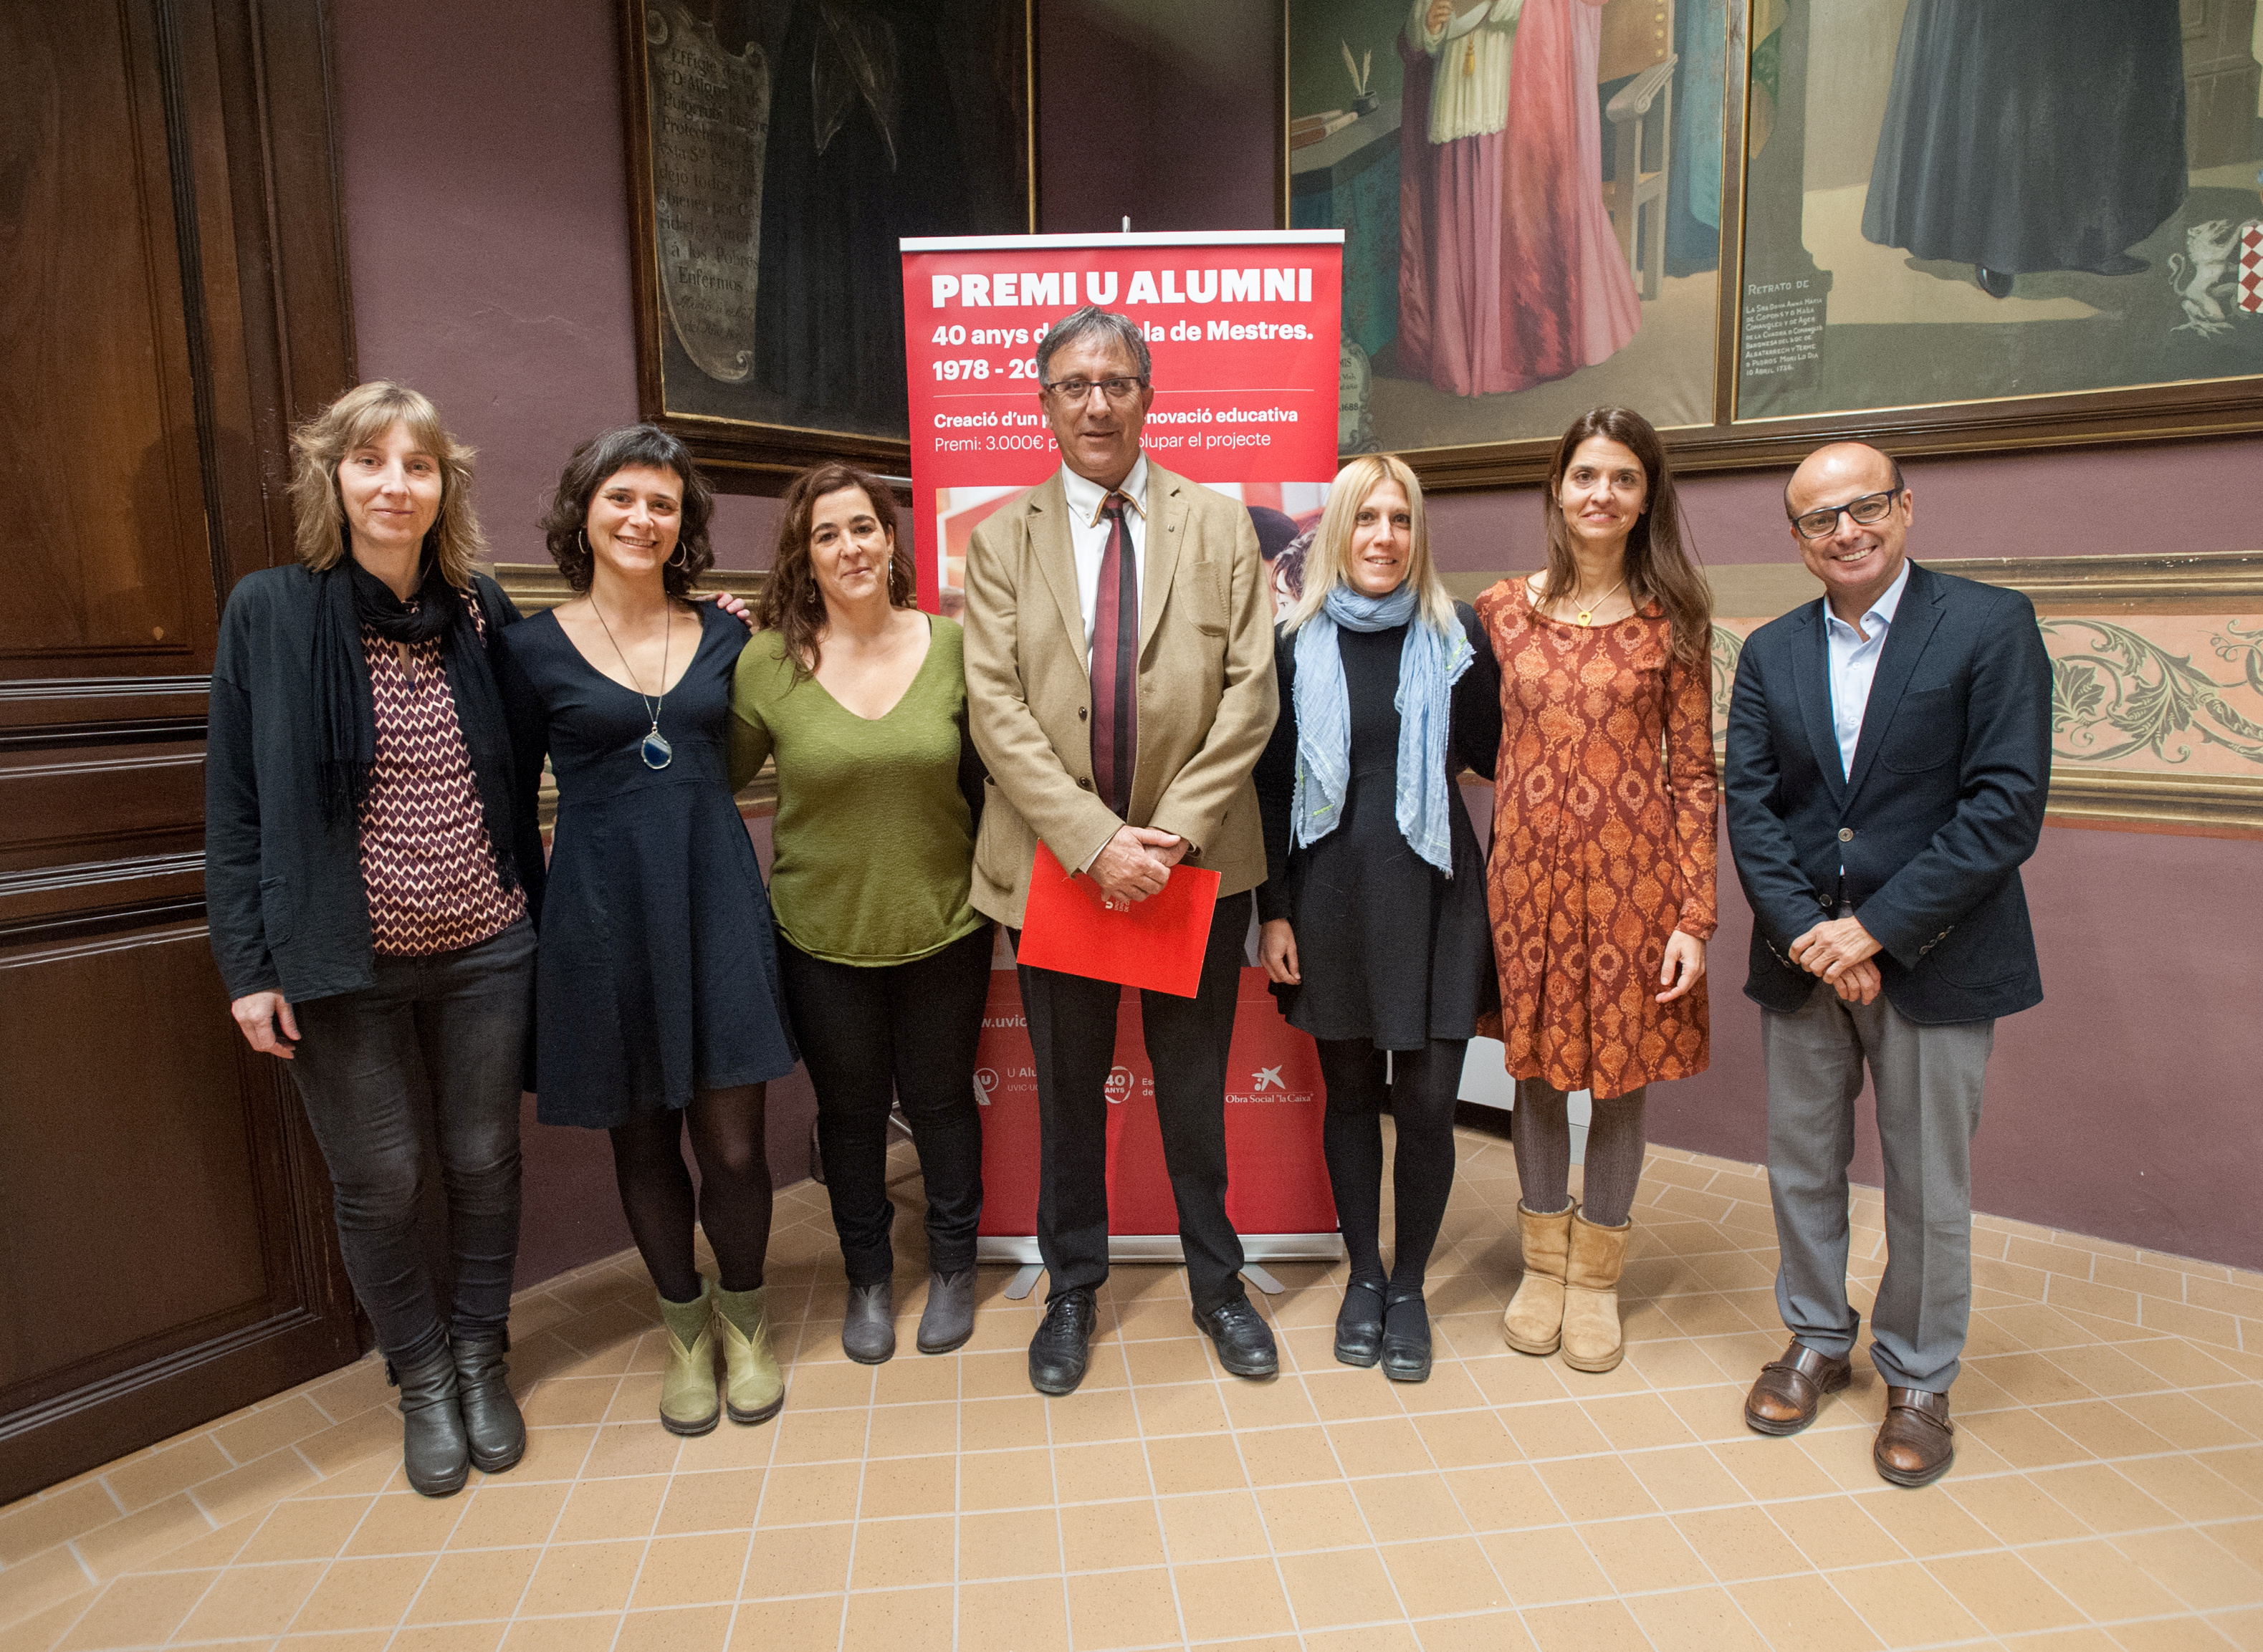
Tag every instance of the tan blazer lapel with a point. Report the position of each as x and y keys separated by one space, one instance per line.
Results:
x=1053 y=552
x=1167 y=530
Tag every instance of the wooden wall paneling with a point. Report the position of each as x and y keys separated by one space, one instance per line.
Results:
x=176 y=300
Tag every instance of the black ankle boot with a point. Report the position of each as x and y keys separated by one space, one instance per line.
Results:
x=433 y=1449
x=1405 y=1337
x=1359 y=1323
x=492 y=1424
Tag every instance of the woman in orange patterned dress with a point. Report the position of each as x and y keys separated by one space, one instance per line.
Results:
x=1600 y=876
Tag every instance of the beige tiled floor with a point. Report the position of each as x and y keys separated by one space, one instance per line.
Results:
x=2108 y=1491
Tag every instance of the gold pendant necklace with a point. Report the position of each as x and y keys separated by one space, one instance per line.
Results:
x=1587 y=616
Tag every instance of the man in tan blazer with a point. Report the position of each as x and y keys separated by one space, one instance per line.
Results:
x=1119 y=683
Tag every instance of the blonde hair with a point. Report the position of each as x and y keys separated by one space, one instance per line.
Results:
x=356 y=419
x=1325 y=565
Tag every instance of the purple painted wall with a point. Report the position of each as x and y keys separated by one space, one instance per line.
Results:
x=485 y=208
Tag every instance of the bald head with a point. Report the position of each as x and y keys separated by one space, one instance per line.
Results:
x=1856 y=560
x=1822 y=472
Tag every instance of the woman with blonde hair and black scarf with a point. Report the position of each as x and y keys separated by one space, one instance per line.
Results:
x=368 y=876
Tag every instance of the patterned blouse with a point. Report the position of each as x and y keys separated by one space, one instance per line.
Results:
x=1602 y=845
x=425 y=863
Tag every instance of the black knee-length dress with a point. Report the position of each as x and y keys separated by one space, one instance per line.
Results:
x=658 y=974
x=1391 y=950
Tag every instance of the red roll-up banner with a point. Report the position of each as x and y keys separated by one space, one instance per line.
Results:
x=1243 y=330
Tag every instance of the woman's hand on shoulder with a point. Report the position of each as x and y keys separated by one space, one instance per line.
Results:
x=1277 y=951
x=735 y=608
x=1683 y=965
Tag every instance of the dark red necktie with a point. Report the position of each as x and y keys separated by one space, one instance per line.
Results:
x=1115 y=660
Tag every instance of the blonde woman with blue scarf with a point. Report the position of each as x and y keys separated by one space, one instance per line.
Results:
x=1373 y=910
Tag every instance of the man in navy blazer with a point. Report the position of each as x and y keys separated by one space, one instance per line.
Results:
x=1889 y=756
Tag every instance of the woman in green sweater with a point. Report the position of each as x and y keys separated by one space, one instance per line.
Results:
x=862 y=698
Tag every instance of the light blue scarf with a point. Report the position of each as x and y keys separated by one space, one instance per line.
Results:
x=1431 y=663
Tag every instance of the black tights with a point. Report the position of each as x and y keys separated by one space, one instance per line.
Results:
x=1422 y=1089
x=1540 y=1131
x=733 y=1203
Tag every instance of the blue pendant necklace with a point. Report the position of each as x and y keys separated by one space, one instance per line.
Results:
x=653 y=748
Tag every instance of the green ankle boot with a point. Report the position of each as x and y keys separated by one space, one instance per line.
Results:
x=753 y=1387
x=688 y=1404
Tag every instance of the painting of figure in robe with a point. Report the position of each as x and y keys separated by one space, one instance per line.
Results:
x=1962 y=200
x=1501 y=273
x=792 y=143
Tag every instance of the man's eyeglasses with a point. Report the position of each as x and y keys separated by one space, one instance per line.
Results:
x=1817 y=525
x=1076 y=390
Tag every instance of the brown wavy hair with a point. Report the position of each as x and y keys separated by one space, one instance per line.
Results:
x=1660 y=565
x=791 y=604
x=356 y=419
x=594 y=463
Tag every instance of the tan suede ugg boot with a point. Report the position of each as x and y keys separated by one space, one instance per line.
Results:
x=1534 y=1322
x=1592 y=1338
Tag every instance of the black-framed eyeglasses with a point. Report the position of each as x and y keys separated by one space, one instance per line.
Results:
x=1074 y=390
x=1871 y=508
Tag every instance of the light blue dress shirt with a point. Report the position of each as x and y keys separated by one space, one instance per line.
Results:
x=1855 y=664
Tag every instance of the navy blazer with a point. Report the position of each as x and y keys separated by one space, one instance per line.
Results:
x=1925 y=836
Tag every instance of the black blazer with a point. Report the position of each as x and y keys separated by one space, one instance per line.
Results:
x=1945 y=799
x=282 y=883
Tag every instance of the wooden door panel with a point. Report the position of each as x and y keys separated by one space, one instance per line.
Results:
x=174 y=302
x=101 y=469
x=139 y=1180
x=90 y=801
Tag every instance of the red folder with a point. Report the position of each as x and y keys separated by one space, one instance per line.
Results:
x=1157 y=942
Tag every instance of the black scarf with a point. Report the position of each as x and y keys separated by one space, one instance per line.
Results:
x=350 y=596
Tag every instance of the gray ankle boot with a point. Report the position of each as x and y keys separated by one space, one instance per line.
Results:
x=868 y=1335
x=948 y=1319
x=491 y=1423
x=433 y=1448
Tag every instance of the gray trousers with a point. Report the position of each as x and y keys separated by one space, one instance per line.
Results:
x=1927 y=1081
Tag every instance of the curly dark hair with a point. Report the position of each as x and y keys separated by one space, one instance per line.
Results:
x=595 y=462
x=791 y=604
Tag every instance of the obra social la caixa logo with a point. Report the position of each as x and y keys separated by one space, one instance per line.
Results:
x=1266 y=1084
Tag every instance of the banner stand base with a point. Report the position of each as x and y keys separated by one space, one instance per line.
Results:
x=1164 y=1249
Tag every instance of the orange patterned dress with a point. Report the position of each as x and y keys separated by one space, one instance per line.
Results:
x=1602 y=845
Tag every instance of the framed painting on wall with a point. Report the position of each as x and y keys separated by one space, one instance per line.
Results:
x=1947 y=226
x=1531 y=196
x=776 y=151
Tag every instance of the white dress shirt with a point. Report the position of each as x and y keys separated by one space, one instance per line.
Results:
x=1087 y=533
x=1855 y=665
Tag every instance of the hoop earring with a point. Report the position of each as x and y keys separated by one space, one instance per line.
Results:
x=682 y=559
x=583 y=536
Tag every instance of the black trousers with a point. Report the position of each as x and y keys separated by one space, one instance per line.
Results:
x=872 y=1036
x=433 y=1050
x=1072 y=1033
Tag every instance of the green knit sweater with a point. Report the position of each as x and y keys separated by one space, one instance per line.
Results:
x=873 y=846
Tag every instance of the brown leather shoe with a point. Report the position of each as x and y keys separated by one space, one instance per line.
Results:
x=1783 y=1400
x=1914 y=1447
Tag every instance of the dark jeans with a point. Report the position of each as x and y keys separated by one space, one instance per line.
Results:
x=1072 y=1034
x=433 y=1050
x=874 y=1035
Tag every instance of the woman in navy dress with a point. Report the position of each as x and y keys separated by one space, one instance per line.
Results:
x=657 y=1001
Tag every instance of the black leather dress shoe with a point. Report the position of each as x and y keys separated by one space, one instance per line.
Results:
x=1063 y=1345
x=1359 y=1324
x=1406 y=1337
x=1245 y=1346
